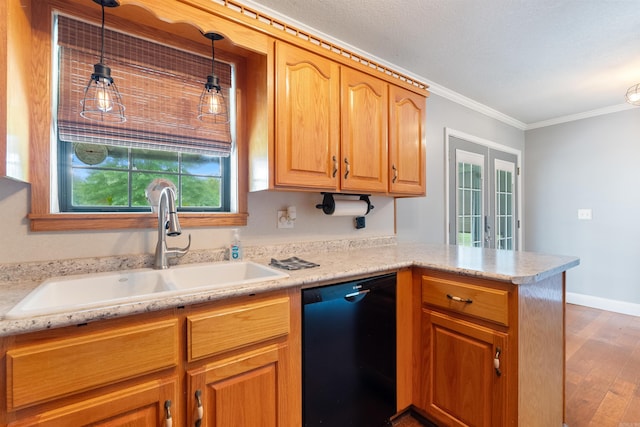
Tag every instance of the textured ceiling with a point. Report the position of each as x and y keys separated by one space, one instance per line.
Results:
x=531 y=61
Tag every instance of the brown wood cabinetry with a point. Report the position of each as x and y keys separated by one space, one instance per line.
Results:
x=15 y=41
x=127 y=372
x=363 y=148
x=307 y=126
x=243 y=359
x=332 y=129
x=463 y=387
x=110 y=375
x=407 y=152
x=491 y=353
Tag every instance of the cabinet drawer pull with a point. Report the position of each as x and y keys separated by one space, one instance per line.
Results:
x=395 y=173
x=200 y=408
x=496 y=362
x=168 y=422
x=347 y=168
x=458 y=299
x=335 y=167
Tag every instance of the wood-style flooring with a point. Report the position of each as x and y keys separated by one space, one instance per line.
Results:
x=602 y=371
x=603 y=368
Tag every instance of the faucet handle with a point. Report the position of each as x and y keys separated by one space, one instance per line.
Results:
x=179 y=252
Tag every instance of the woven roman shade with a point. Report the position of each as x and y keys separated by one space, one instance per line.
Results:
x=160 y=88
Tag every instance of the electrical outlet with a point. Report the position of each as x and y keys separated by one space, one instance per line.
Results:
x=584 y=214
x=284 y=221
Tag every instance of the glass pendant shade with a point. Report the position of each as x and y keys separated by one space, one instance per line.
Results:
x=212 y=107
x=102 y=101
x=633 y=95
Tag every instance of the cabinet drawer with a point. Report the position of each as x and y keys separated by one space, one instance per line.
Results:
x=473 y=300
x=42 y=372
x=237 y=326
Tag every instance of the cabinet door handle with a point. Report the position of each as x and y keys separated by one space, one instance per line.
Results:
x=458 y=299
x=496 y=361
x=395 y=174
x=347 y=168
x=199 y=408
x=335 y=167
x=168 y=421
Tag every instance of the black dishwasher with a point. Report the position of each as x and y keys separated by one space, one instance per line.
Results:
x=349 y=353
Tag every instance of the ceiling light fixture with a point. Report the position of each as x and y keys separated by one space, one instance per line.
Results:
x=633 y=95
x=213 y=107
x=102 y=101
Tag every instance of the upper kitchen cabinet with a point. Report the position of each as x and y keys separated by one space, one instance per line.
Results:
x=407 y=156
x=15 y=81
x=363 y=145
x=341 y=129
x=307 y=102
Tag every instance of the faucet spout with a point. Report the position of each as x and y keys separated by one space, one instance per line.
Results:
x=168 y=225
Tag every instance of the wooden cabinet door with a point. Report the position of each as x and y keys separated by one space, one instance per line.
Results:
x=364 y=133
x=461 y=385
x=407 y=171
x=238 y=391
x=307 y=119
x=143 y=405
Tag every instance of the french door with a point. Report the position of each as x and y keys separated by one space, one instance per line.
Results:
x=483 y=195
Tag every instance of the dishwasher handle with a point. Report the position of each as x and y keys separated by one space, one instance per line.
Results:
x=357 y=296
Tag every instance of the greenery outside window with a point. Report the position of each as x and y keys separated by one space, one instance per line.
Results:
x=95 y=178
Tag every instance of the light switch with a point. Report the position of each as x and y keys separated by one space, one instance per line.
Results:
x=584 y=214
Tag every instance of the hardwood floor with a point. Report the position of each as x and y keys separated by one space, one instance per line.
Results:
x=603 y=368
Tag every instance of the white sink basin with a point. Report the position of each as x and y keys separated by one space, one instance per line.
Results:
x=223 y=274
x=81 y=292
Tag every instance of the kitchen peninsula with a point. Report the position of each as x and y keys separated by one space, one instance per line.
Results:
x=514 y=325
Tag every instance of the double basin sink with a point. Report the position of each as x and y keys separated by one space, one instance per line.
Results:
x=81 y=292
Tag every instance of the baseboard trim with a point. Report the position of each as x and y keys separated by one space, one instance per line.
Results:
x=604 y=304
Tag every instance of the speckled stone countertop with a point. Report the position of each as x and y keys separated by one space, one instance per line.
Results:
x=339 y=261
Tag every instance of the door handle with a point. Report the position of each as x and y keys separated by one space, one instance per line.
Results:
x=353 y=296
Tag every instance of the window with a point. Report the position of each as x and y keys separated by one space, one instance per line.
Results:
x=106 y=167
x=118 y=182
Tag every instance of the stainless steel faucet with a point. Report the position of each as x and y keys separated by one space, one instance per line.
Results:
x=168 y=225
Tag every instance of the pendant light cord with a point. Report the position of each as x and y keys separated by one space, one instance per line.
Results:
x=213 y=55
x=102 y=46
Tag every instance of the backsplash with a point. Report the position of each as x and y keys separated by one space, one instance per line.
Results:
x=38 y=271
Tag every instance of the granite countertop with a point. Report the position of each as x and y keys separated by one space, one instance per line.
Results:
x=335 y=265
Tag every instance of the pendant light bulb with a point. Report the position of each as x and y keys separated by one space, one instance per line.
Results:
x=213 y=107
x=102 y=101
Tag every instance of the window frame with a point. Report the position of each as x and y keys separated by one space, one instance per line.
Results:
x=43 y=143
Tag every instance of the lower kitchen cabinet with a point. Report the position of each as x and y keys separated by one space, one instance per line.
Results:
x=490 y=353
x=242 y=364
x=143 y=405
x=241 y=391
x=465 y=383
x=145 y=370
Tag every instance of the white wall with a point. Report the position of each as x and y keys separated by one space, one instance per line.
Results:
x=423 y=219
x=18 y=244
x=594 y=164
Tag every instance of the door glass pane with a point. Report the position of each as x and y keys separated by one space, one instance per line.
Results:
x=469 y=221
x=504 y=206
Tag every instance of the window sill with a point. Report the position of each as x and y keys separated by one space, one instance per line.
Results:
x=114 y=221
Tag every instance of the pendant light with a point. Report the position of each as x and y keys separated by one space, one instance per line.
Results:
x=213 y=107
x=102 y=101
x=633 y=95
